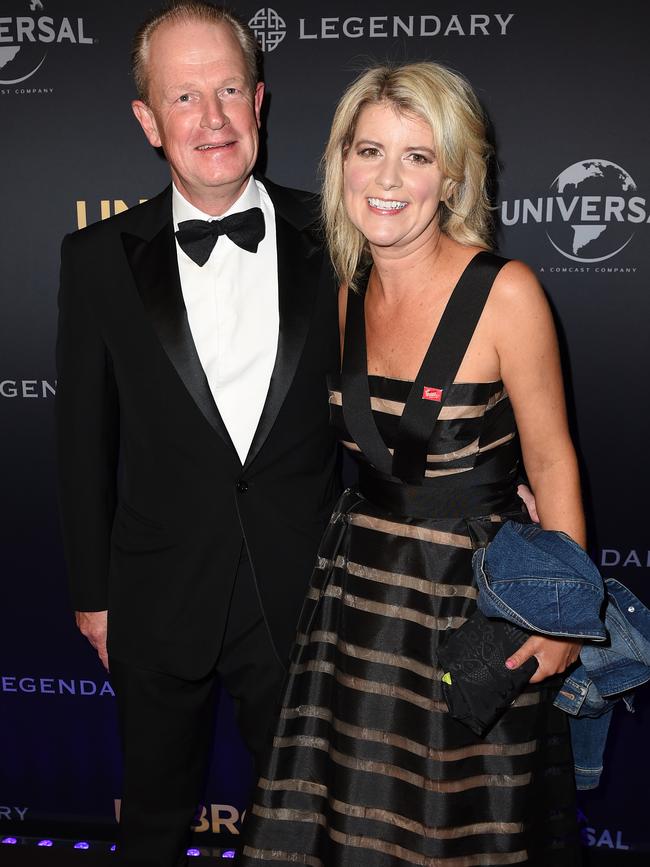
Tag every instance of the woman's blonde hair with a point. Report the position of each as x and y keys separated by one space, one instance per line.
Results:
x=446 y=101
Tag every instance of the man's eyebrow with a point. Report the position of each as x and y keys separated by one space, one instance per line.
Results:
x=180 y=88
x=187 y=86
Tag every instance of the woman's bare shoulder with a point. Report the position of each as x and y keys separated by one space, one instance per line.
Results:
x=517 y=293
x=516 y=281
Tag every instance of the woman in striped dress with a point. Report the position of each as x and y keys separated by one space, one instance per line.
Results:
x=449 y=366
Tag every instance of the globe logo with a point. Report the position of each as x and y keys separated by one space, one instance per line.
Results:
x=595 y=203
x=269 y=28
x=20 y=61
x=28 y=37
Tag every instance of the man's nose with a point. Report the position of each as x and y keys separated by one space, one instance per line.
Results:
x=214 y=116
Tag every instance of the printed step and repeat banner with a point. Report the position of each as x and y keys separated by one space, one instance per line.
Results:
x=563 y=85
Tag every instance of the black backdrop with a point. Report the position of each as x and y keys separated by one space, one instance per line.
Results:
x=564 y=85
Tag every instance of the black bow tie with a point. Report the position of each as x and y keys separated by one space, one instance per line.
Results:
x=198 y=237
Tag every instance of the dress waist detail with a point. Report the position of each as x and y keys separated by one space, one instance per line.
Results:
x=444 y=497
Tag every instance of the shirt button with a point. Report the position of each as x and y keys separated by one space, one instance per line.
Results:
x=631 y=609
x=242 y=486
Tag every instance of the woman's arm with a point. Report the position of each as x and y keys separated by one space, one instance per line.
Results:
x=529 y=359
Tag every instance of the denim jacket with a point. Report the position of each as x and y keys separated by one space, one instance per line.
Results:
x=544 y=582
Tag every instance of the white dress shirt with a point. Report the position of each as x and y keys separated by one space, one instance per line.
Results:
x=232 y=308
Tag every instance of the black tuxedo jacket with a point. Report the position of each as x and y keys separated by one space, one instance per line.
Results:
x=155 y=502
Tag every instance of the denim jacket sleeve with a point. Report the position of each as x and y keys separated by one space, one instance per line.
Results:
x=606 y=675
x=544 y=582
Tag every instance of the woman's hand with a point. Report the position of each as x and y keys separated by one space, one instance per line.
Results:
x=554 y=655
x=524 y=493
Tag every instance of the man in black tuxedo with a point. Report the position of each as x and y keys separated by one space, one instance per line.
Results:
x=197 y=470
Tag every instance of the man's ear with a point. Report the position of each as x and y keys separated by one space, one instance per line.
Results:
x=258 y=99
x=147 y=121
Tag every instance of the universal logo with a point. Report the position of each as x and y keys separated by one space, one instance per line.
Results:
x=590 y=216
x=270 y=28
x=599 y=837
x=26 y=39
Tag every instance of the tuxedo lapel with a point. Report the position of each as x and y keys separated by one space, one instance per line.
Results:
x=299 y=261
x=155 y=270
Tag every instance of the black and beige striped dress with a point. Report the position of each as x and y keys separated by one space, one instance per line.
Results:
x=367 y=767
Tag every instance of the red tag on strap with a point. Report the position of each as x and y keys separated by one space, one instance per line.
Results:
x=430 y=393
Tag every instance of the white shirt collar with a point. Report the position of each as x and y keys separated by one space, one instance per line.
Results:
x=184 y=210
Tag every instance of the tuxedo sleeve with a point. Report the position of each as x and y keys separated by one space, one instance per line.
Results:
x=87 y=431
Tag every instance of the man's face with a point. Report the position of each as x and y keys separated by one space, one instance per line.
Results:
x=201 y=111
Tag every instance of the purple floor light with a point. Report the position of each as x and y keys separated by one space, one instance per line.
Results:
x=81 y=845
x=229 y=853
x=45 y=843
x=9 y=840
x=193 y=853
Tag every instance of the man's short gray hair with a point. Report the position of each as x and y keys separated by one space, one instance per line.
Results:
x=185 y=11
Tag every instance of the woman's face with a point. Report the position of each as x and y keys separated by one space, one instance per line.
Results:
x=391 y=179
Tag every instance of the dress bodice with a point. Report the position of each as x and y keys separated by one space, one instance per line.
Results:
x=432 y=445
x=475 y=423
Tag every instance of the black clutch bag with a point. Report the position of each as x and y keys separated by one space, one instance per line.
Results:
x=477 y=686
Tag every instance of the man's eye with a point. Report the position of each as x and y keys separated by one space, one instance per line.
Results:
x=231 y=91
x=184 y=97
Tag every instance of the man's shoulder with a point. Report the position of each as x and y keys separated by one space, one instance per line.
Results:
x=300 y=207
x=140 y=218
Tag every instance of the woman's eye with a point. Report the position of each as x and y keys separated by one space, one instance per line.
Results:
x=420 y=159
x=368 y=152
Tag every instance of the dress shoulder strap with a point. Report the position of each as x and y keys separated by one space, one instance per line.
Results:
x=441 y=364
x=357 y=410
